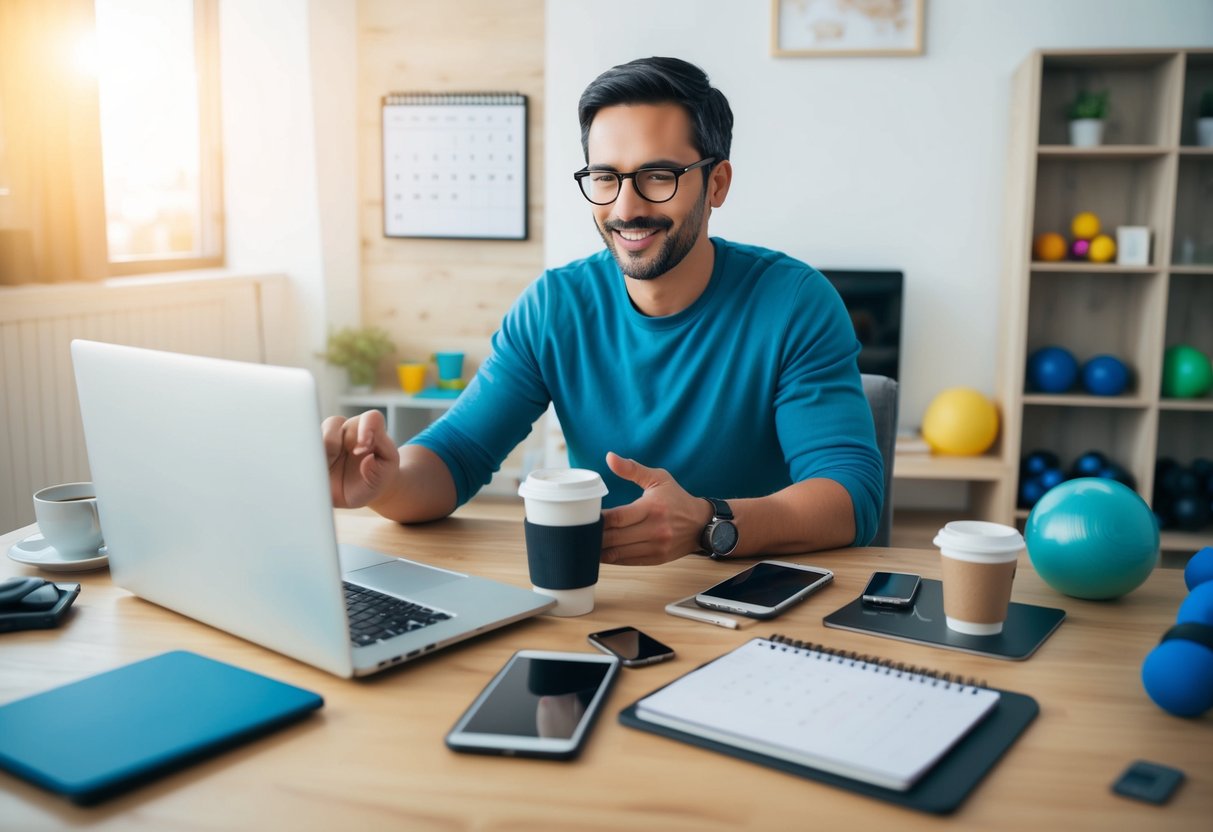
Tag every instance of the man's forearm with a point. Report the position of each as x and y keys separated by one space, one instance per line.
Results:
x=804 y=517
x=423 y=489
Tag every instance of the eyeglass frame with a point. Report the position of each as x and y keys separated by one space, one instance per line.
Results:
x=620 y=177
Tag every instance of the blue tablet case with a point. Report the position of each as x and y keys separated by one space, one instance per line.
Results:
x=100 y=736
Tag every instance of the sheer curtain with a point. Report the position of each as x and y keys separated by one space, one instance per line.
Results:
x=52 y=207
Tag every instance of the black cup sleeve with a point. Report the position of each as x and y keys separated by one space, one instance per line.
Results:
x=563 y=557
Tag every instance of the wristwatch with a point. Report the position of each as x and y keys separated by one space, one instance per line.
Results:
x=719 y=537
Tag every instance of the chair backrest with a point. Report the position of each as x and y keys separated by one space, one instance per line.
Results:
x=882 y=398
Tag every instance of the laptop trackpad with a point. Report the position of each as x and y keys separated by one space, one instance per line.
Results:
x=400 y=577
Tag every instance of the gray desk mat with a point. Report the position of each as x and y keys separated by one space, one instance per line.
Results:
x=1026 y=628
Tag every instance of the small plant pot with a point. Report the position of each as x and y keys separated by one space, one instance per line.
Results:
x=1204 y=131
x=1086 y=132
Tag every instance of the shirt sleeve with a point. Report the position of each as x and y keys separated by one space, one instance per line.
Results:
x=821 y=413
x=499 y=406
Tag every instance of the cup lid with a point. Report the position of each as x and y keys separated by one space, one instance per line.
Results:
x=979 y=536
x=562 y=485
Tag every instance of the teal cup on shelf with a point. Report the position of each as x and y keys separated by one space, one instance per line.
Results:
x=450 y=370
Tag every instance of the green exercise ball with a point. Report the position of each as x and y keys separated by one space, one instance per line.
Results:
x=1186 y=372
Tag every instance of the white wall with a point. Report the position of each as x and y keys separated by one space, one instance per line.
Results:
x=855 y=162
x=289 y=81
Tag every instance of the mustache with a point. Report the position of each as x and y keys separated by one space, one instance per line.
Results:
x=639 y=224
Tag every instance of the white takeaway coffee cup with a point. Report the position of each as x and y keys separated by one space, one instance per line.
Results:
x=978 y=562
x=564 y=535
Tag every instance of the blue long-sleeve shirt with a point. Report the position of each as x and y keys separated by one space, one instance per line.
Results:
x=751 y=388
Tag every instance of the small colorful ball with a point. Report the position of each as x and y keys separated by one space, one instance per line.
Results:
x=1186 y=372
x=1052 y=370
x=1105 y=375
x=1079 y=249
x=1084 y=226
x=1102 y=250
x=1049 y=247
x=960 y=421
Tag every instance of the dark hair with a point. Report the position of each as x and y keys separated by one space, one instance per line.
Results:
x=662 y=81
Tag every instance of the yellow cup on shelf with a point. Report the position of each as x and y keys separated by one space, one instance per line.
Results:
x=412 y=377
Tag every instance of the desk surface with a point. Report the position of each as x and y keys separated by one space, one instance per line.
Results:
x=374 y=756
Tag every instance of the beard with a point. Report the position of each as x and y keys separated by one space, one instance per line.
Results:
x=676 y=247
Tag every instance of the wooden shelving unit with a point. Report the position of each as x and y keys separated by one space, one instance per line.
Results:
x=1148 y=172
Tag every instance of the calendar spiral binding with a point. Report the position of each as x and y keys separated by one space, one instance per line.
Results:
x=439 y=99
x=926 y=675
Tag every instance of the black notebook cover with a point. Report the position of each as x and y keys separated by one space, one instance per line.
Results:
x=104 y=734
x=940 y=791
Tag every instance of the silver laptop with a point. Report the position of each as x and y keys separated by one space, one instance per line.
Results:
x=213 y=491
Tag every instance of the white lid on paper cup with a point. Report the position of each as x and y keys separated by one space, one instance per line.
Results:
x=562 y=485
x=979 y=541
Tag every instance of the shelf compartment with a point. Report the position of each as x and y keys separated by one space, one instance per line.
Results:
x=1118 y=191
x=1123 y=436
x=1184 y=435
x=1139 y=108
x=1193 y=241
x=1092 y=314
x=1198 y=77
x=1190 y=311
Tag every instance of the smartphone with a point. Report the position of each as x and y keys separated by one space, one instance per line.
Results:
x=540 y=704
x=634 y=648
x=765 y=589
x=891 y=589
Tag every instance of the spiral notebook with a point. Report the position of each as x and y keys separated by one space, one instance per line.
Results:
x=857 y=721
x=454 y=165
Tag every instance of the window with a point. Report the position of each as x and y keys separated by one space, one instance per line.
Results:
x=109 y=138
x=157 y=79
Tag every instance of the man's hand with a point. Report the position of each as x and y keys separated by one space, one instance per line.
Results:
x=663 y=525
x=363 y=460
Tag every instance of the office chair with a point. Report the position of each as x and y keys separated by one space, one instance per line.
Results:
x=882 y=398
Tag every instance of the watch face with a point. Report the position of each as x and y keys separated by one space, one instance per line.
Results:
x=724 y=537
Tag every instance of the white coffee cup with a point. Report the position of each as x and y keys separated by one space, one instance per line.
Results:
x=978 y=563
x=68 y=519
x=564 y=535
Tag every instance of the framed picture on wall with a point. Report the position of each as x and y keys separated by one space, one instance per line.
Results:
x=830 y=28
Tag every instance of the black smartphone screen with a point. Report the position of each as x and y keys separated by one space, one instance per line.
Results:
x=630 y=644
x=764 y=584
x=516 y=706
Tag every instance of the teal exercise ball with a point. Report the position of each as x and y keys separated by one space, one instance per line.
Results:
x=1092 y=538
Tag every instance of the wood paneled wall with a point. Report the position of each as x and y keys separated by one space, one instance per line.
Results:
x=445 y=294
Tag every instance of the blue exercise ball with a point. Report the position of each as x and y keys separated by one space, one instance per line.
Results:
x=1052 y=370
x=1178 y=676
x=1105 y=375
x=1092 y=538
x=1199 y=569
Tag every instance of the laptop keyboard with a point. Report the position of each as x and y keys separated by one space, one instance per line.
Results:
x=375 y=616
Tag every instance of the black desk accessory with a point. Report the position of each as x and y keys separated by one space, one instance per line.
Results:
x=1026 y=628
x=34 y=603
x=940 y=790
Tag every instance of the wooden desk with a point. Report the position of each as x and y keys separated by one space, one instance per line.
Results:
x=374 y=757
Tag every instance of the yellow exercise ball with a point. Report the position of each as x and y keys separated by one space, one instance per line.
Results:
x=1084 y=226
x=960 y=421
x=1103 y=249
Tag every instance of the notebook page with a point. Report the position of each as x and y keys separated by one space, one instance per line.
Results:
x=875 y=724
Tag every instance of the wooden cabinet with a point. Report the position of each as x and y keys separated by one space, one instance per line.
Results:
x=1148 y=172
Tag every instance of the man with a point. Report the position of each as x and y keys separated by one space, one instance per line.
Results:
x=731 y=367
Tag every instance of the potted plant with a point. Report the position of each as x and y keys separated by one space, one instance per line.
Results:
x=1087 y=115
x=1204 y=121
x=359 y=350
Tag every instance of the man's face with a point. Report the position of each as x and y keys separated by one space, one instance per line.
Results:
x=647 y=239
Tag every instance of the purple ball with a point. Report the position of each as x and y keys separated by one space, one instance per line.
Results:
x=1079 y=249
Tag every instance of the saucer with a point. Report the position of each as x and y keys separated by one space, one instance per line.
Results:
x=35 y=551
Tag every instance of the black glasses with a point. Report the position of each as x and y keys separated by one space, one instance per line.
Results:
x=602 y=187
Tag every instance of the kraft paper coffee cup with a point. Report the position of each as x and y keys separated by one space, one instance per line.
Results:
x=979 y=561
x=564 y=535
x=68 y=519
